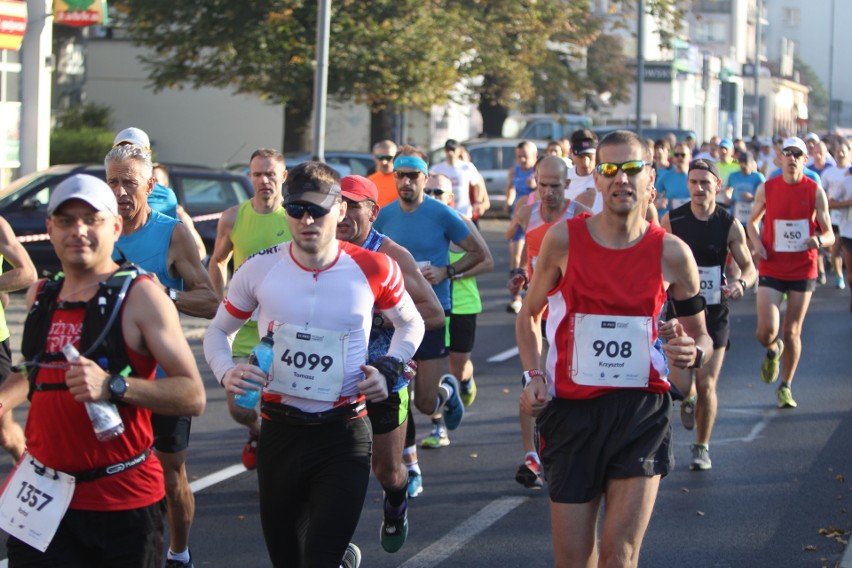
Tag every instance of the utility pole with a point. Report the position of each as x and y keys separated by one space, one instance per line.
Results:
x=321 y=77
x=36 y=69
x=831 y=70
x=757 y=27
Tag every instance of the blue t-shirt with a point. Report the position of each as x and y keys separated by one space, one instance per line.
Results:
x=740 y=184
x=519 y=182
x=164 y=200
x=674 y=186
x=426 y=232
x=807 y=171
x=149 y=247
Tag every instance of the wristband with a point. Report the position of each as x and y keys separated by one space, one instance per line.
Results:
x=819 y=241
x=528 y=376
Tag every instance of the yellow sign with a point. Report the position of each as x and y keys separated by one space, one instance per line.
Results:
x=80 y=13
x=13 y=23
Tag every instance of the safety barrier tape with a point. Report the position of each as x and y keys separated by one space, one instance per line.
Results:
x=46 y=237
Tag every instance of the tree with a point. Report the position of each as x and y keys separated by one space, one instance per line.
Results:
x=82 y=134
x=818 y=97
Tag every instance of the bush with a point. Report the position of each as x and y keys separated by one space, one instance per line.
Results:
x=80 y=145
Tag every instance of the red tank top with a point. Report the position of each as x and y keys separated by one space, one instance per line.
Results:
x=789 y=209
x=60 y=435
x=537 y=228
x=600 y=281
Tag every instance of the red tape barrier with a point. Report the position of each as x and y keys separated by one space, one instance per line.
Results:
x=46 y=237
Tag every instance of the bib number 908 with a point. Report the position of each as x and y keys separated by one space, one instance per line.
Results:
x=300 y=360
x=613 y=349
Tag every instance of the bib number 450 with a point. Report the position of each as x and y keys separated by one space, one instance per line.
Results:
x=300 y=360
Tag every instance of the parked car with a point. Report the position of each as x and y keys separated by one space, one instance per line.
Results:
x=346 y=163
x=203 y=192
x=493 y=158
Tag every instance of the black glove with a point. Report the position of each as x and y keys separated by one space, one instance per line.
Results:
x=391 y=368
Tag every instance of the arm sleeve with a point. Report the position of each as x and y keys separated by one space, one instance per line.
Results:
x=231 y=315
x=408 y=328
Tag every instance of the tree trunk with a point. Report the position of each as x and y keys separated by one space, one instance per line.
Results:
x=382 y=126
x=493 y=113
x=297 y=127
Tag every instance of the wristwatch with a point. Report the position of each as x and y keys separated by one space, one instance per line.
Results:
x=117 y=388
x=699 y=358
x=743 y=284
x=450 y=272
x=378 y=320
x=172 y=294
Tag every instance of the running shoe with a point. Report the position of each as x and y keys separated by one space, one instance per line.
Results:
x=250 y=453
x=514 y=306
x=840 y=283
x=453 y=408
x=687 y=413
x=352 y=557
x=769 y=369
x=172 y=563
x=821 y=278
x=468 y=392
x=415 y=484
x=529 y=474
x=785 y=397
x=700 y=458
x=437 y=439
x=394 y=530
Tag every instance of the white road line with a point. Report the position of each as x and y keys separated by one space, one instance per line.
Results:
x=504 y=356
x=439 y=551
x=216 y=477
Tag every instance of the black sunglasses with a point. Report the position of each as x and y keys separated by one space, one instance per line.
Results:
x=382 y=157
x=792 y=152
x=430 y=191
x=679 y=155
x=297 y=210
x=413 y=176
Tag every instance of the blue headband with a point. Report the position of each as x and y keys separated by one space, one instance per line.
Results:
x=411 y=162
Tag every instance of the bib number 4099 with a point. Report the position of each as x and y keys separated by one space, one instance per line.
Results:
x=300 y=360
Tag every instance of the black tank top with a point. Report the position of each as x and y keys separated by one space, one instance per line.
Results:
x=707 y=239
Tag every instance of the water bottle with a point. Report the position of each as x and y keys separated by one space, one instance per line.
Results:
x=104 y=415
x=261 y=356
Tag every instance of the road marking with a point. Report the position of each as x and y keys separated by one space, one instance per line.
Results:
x=504 y=356
x=439 y=551
x=216 y=477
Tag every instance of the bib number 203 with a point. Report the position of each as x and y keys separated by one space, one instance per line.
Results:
x=32 y=496
x=613 y=349
x=300 y=360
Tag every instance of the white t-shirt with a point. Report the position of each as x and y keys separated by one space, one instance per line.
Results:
x=578 y=184
x=844 y=192
x=462 y=175
x=832 y=177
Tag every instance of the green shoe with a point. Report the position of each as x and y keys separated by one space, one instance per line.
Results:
x=437 y=439
x=394 y=532
x=785 y=397
x=687 y=412
x=468 y=391
x=769 y=369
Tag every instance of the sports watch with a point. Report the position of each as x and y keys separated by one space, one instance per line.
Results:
x=172 y=294
x=378 y=320
x=530 y=375
x=699 y=358
x=117 y=388
x=451 y=272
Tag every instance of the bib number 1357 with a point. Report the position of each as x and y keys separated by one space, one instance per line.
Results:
x=32 y=496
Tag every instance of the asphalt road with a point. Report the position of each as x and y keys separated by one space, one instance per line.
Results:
x=779 y=478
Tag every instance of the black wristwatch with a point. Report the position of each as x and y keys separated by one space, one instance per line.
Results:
x=378 y=320
x=450 y=272
x=117 y=388
x=699 y=358
x=743 y=284
x=172 y=294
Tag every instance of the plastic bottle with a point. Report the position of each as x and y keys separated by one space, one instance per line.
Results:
x=104 y=415
x=261 y=356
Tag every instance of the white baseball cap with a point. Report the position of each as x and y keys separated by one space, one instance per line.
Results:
x=87 y=188
x=812 y=136
x=132 y=135
x=795 y=142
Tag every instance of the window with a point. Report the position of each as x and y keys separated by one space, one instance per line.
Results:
x=792 y=17
x=712 y=6
x=485 y=158
x=208 y=194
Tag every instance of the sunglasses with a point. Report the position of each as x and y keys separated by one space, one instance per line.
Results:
x=436 y=192
x=631 y=168
x=679 y=155
x=413 y=176
x=794 y=152
x=382 y=157
x=297 y=210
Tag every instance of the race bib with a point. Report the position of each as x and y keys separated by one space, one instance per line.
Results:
x=612 y=351
x=308 y=362
x=742 y=211
x=33 y=502
x=711 y=283
x=678 y=201
x=791 y=235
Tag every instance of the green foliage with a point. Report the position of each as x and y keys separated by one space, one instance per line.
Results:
x=79 y=145
x=818 y=97
x=89 y=115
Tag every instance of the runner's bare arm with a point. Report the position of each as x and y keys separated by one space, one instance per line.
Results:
x=23 y=271
x=222 y=251
x=197 y=298
x=418 y=288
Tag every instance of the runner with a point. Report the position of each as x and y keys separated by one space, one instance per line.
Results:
x=314 y=452
x=791 y=207
x=521 y=183
x=711 y=233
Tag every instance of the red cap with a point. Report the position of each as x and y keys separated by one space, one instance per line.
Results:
x=358 y=188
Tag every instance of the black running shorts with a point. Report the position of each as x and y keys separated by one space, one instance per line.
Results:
x=171 y=433
x=585 y=443
x=805 y=285
x=389 y=414
x=462 y=333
